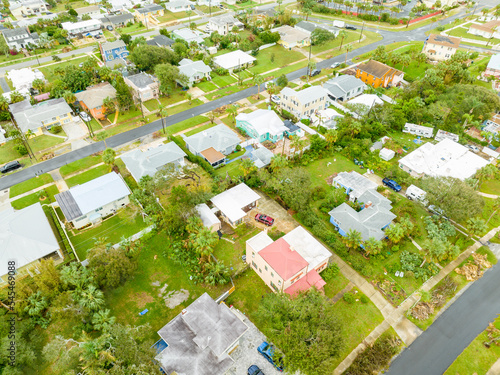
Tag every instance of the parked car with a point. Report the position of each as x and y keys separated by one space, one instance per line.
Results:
x=315 y=72
x=85 y=117
x=276 y=99
x=473 y=148
x=12 y=166
x=349 y=27
x=335 y=64
x=436 y=211
x=392 y=184
x=254 y=370
x=261 y=218
x=192 y=7
x=97 y=36
x=109 y=27
x=267 y=351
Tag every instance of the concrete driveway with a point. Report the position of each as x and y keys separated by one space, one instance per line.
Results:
x=75 y=130
x=282 y=220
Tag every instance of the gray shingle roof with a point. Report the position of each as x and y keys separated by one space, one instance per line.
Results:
x=30 y=117
x=305 y=25
x=191 y=68
x=20 y=31
x=141 y=80
x=94 y=96
x=120 y=18
x=219 y=137
x=160 y=41
x=150 y=8
x=307 y=95
x=341 y=85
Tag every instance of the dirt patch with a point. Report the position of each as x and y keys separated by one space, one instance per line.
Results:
x=162 y=290
x=143 y=298
x=175 y=298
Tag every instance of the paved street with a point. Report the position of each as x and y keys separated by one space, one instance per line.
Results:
x=436 y=349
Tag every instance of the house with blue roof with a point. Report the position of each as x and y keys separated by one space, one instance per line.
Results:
x=114 y=53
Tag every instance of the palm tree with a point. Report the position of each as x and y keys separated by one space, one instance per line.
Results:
x=352 y=239
x=496 y=207
x=342 y=35
x=91 y=298
x=203 y=242
x=331 y=137
x=373 y=246
x=4 y=104
x=232 y=111
x=247 y=166
x=307 y=12
x=102 y=321
x=189 y=13
x=297 y=144
x=163 y=113
x=348 y=48
x=69 y=97
x=258 y=80
x=279 y=4
x=278 y=162
x=36 y=304
x=405 y=60
x=395 y=233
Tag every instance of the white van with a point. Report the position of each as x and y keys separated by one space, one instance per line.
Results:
x=415 y=193
x=340 y=24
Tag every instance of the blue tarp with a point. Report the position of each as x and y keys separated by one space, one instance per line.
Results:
x=143 y=312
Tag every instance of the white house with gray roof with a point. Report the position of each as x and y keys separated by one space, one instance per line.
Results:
x=142 y=163
x=344 y=87
x=26 y=237
x=308 y=27
x=118 y=20
x=89 y=203
x=44 y=115
x=224 y=24
x=213 y=144
x=144 y=86
x=83 y=28
x=20 y=37
x=198 y=340
x=305 y=102
x=188 y=35
x=178 y=6
x=262 y=125
x=195 y=71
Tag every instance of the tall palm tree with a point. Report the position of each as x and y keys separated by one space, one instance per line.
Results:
x=258 y=80
x=348 y=48
x=352 y=239
x=163 y=113
x=247 y=166
x=342 y=35
x=232 y=111
x=102 y=320
x=278 y=162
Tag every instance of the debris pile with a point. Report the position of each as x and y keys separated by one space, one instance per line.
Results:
x=422 y=310
x=474 y=269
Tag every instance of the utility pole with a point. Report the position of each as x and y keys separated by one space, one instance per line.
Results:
x=309 y=61
x=140 y=105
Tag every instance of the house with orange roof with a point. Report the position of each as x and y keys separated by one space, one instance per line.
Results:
x=376 y=74
x=290 y=264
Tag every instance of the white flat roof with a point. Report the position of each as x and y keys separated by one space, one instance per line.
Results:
x=233 y=200
x=206 y=215
x=307 y=246
x=233 y=59
x=260 y=241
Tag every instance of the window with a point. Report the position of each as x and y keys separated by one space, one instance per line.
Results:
x=254 y=265
x=265 y=267
x=272 y=274
x=253 y=254
x=260 y=270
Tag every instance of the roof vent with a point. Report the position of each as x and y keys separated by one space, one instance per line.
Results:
x=292 y=248
x=184 y=312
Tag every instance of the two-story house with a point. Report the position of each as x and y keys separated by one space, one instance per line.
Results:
x=376 y=74
x=148 y=13
x=27 y=8
x=305 y=102
x=224 y=24
x=83 y=28
x=144 y=86
x=195 y=71
x=440 y=47
x=262 y=125
x=92 y=99
x=91 y=202
x=344 y=87
x=487 y=30
x=114 y=53
x=418 y=130
x=44 y=115
x=290 y=264
x=20 y=38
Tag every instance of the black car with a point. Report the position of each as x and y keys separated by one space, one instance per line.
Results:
x=315 y=72
x=254 y=370
x=348 y=27
x=13 y=165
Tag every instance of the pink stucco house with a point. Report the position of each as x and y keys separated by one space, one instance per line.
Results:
x=290 y=264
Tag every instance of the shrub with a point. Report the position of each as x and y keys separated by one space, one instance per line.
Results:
x=238 y=148
x=194 y=158
x=56 y=129
x=349 y=298
x=21 y=150
x=364 y=299
x=305 y=121
x=330 y=272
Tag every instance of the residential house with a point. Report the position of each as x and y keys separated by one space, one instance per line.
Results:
x=234 y=204
x=344 y=87
x=487 y=30
x=118 y=20
x=309 y=27
x=420 y=130
x=195 y=71
x=234 y=60
x=291 y=37
x=440 y=47
x=441 y=134
x=114 y=53
x=142 y=163
x=26 y=238
x=364 y=103
x=304 y=103
x=224 y=24
x=262 y=14
x=44 y=115
x=445 y=159
x=20 y=37
x=144 y=86
x=213 y=3
x=375 y=214
x=33 y=20
x=148 y=13
x=261 y=157
x=176 y=6
x=262 y=125
x=83 y=28
x=493 y=124
x=22 y=79
x=198 y=340
x=188 y=35
x=208 y=217
x=92 y=99
x=160 y=41
x=493 y=67
x=327 y=118
x=213 y=144
x=292 y=129
x=91 y=202
x=290 y=264
x=90 y=11
x=376 y=74
x=28 y=8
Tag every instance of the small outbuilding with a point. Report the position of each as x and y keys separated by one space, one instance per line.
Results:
x=386 y=154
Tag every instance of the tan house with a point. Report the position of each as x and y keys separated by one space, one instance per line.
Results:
x=376 y=74
x=440 y=47
x=304 y=103
x=144 y=86
x=27 y=8
x=290 y=264
x=147 y=14
x=291 y=37
x=26 y=237
x=486 y=30
x=234 y=204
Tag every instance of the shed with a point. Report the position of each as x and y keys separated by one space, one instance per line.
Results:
x=386 y=154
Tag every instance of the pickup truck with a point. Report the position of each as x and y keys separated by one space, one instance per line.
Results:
x=392 y=184
x=267 y=351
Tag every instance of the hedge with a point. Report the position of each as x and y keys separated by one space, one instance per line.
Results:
x=194 y=158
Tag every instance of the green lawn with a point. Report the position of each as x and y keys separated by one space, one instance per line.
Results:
x=152 y=104
x=225 y=91
x=184 y=106
x=335 y=43
x=491 y=187
x=232 y=168
x=476 y=358
x=200 y=129
x=33 y=198
x=488 y=211
x=230 y=254
x=132 y=28
x=30 y=184
x=461 y=32
x=8 y=153
x=186 y=124
x=319 y=170
x=281 y=58
x=414 y=71
x=171 y=16
x=125 y=223
x=88 y=175
x=223 y=81
x=206 y=86
x=124 y=116
x=74 y=4
x=79 y=165
x=48 y=71
x=335 y=285
x=43 y=142
x=234 y=155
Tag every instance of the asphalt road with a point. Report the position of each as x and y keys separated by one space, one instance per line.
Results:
x=436 y=349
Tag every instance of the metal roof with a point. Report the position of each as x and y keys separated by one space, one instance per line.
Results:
x=343 y=83
x=263 y=121
x=233 y=59
x=307 y=95
x=192 y=68
x=206 y=215
x=220 y=137
x=232 y=201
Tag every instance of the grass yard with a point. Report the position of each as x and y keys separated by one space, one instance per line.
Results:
x=335 y=285
x=491 y=187
x=30 y=184
x=33 y=198
x=186 y=124
x=282 y=58
x=139 y=293
x=124 y=224
x=48 y=71
x=414 y=71
x=223 y=81
x=88 y=175
x=74 y=4
x=132 y=28
x=488 y=211
x=476 y=358
x=232 y=168
x=124 y=116
x=352 y=36
x=225 y=91
x=200 y=129
x=461 y=32
x=184 y=106
x=207 y=86
x=80 y=165
x=171 y=16
x=8 y=153
x=230 y=254
x=234 y=155
x=319 y=170
x=43 y=142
